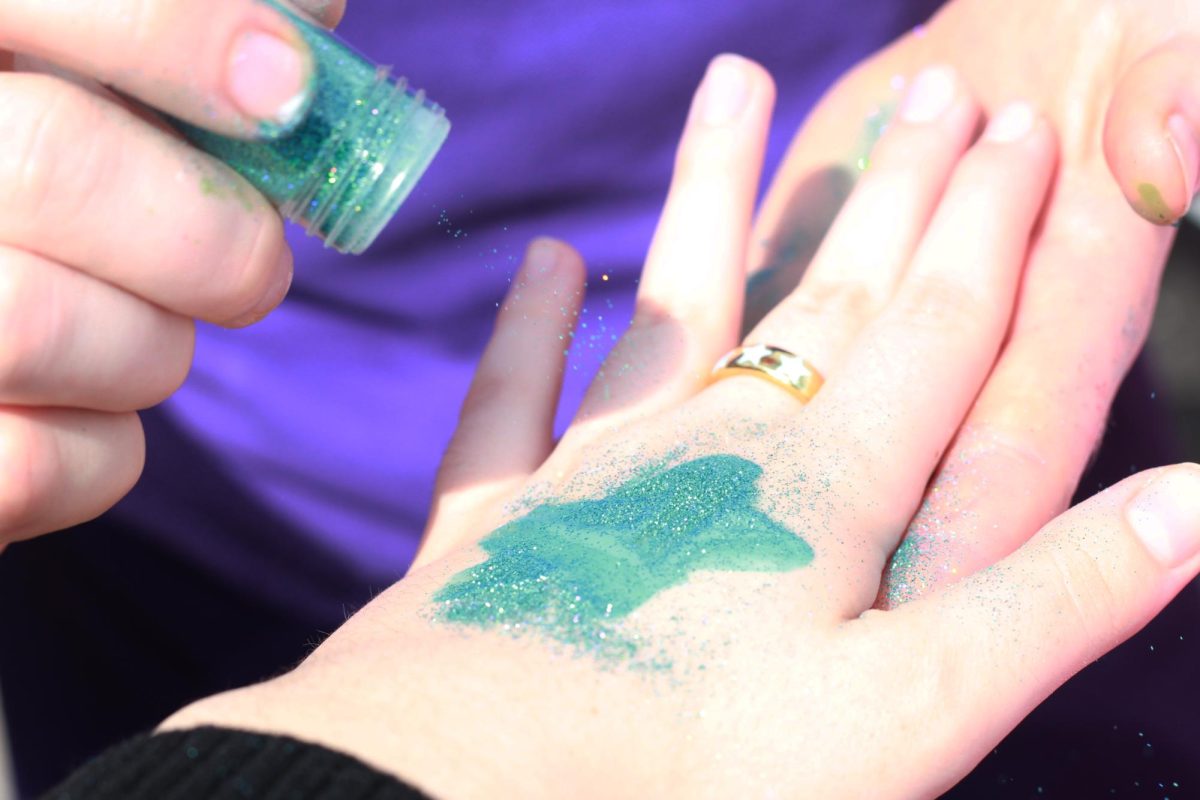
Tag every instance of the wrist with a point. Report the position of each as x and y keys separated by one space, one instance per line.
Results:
x=458 y=715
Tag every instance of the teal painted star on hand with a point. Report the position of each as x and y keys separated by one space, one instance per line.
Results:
x=570 y=570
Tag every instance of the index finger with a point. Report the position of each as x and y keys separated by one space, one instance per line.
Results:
x=237 y=67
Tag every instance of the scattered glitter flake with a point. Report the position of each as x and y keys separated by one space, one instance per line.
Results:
x=928 y=554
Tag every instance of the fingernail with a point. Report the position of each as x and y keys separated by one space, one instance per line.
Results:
x=931 y=95
x=269 y=80
x=1183 y=138
x=726 y=91
x=317 y=9
x=273 y=297
x=1165 y=515
x=541 y=257
x=1013 y=123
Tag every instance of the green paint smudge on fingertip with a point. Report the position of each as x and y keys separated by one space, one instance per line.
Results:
x=1153 y=207
x=573 y=571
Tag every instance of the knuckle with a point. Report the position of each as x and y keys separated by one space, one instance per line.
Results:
x=146 y=22
x=837 y=300
x=488 y=388
x=836 y=310
x=991 y=450
x=241 y=295
x=1085 y=593
x=176 y=371
x=654 y=326
x=901 y=153
x=705 y=155
x=988 y=186
x=22 y=332
x=920 y=687
x=985 y=167
x=941 y=304
x=55 y=160
x=931 y=681
x=22 y=460
x=171 y=368
x=1010 y=450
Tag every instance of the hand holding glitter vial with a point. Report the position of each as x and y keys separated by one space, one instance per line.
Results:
x=678 y=599
x=128 y=234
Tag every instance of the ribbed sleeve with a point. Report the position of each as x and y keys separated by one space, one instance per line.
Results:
x=219 y=763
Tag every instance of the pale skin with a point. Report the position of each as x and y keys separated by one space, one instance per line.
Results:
x=778 y=680
x=1109 y=76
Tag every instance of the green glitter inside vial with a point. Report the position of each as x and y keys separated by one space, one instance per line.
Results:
x=573 y=571
x=356 y=153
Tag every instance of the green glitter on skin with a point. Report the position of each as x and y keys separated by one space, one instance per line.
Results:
x=1153 y=204
x=874 y=127
x=357 y=152
x=572 y=571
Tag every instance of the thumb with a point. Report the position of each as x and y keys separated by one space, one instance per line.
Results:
x=1151 y=132
x=1086 y=582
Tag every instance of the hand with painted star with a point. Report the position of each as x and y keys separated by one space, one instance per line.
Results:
x=677 y=599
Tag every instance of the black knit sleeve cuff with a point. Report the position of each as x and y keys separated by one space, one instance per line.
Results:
x=219 y=763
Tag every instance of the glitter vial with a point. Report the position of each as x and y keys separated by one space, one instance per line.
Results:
x=353 y=157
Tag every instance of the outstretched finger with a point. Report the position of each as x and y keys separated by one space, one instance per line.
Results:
x=505 y=430
x=690 y=298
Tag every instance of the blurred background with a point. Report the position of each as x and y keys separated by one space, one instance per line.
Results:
x=1174 y=346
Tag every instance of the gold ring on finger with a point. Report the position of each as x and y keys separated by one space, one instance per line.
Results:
x=779 y=366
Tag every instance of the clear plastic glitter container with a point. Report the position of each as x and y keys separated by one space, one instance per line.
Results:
x=345 y=168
